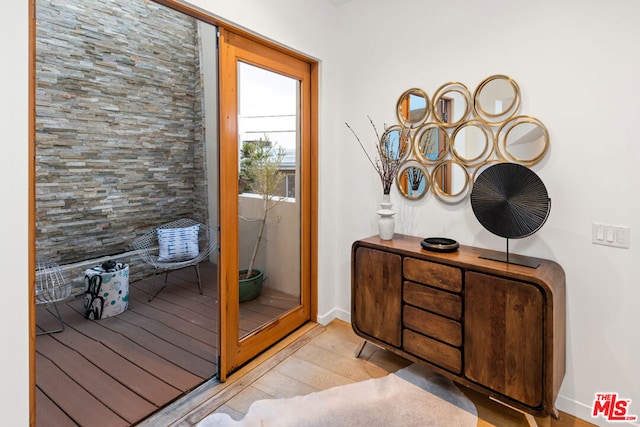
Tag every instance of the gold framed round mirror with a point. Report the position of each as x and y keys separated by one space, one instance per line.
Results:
x=451 y=104
x=496 y=99
x=472 y=143
x=413 y=180
x=524 y=140
x=413 y=107
x=431 y=142
x=395 y=143
x=450 y=181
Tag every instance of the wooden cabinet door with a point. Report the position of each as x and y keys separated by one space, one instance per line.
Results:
x=503 y=344
x=377 y=295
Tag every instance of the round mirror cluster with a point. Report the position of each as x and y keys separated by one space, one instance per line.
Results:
x=457 y=134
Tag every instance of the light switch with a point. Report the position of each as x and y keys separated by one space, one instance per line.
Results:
x=610 y=235
x=622 y=237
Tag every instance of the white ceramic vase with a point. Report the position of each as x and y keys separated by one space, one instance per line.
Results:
x=386 y=222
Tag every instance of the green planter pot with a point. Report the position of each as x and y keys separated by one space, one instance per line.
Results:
x=250 y=288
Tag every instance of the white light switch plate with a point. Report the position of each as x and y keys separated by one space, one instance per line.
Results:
x=611 y=235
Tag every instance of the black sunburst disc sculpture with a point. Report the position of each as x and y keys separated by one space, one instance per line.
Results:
x=510 y=201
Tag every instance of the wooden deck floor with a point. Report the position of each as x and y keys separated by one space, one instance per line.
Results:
x=118 y=370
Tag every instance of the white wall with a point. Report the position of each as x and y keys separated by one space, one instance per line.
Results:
x=279 y=253
x=14 y=369
x=209 y=75
x=577 y=63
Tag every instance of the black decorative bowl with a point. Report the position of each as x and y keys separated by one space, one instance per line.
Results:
x=439 y=244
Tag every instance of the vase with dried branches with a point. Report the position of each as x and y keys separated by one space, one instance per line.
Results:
x=391 y=148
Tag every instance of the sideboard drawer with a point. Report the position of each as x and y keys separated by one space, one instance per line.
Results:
x=435 y=326
x=441 y=302
x=432 y=351
x=433 y=274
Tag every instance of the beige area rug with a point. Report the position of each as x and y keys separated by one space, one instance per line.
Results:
x=413 y=396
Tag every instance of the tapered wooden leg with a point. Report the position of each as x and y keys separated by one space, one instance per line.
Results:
x=530 y=418
x=360 y=348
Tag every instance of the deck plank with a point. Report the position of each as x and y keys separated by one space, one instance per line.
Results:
x=169 y=307
x=205 y=335
x=102 y=386
x=185 y=300
x=167 y=332
x=183 y=280
x=185 y=294
x=137 y=379
x=46 y=409
x=84 y=408
x=169 y=351
x=158 y=366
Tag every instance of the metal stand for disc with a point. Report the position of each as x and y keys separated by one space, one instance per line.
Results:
x=512 y=259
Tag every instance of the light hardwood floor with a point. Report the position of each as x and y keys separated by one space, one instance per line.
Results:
x=316 y=358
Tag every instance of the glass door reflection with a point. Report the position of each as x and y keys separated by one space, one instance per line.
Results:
x=268 y=201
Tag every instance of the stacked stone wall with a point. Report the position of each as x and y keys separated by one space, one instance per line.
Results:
x=119 y=144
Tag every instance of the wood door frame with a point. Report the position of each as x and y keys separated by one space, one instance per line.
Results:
x=313 y=178
x=32 y=214
x=235 y=48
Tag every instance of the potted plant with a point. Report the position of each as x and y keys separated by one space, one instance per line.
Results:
x=259 y=174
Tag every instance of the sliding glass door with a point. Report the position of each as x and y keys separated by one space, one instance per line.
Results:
x=266 y=197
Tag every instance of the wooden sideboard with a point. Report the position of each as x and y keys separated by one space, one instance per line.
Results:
x=494 y=327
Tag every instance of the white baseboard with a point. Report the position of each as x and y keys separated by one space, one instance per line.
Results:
x=335 y=313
